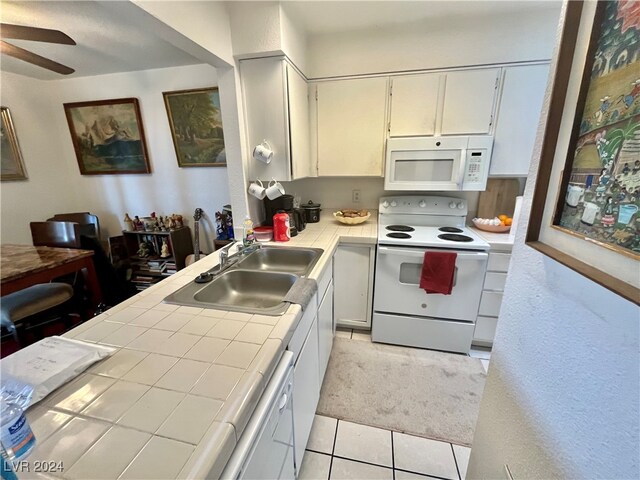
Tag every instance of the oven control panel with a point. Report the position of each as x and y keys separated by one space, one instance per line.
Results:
x=423 y=205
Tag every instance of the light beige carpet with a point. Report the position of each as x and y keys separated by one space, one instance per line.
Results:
x=420 y=392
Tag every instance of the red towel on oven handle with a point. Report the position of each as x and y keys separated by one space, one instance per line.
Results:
x=438 y=269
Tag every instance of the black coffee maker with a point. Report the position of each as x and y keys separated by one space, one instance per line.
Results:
x=285 y=203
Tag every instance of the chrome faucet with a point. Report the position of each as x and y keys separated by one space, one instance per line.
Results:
x=224 y=254
x=250 y=248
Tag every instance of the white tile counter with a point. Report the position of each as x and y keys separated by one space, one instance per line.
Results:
x=176 y=396
x=497 y=241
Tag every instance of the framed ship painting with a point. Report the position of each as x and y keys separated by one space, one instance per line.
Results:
x=591 y=149
x=12 y=165
x=108 y=136
x=196 y=127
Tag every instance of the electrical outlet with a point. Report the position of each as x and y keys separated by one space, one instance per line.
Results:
x=355 y=196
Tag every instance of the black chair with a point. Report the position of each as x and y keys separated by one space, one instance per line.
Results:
x=34 y=307
x=89 y=223
x=55 y=234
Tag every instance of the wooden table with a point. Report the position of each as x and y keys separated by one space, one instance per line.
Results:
x=22 y=266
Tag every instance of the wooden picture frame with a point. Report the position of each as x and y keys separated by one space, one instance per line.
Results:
x=12 y=164
x=108 y=136
x=196 y=127
x=551 y=230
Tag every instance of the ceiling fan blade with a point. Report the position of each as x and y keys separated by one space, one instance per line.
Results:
x=36 y=34
x=27 y=56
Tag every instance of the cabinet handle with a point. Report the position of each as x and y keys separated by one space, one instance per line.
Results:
x=283 y=402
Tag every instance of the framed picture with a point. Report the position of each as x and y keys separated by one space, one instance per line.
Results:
x=586 y=205
x=196 y=127
x=12 y=166
x=108 y=136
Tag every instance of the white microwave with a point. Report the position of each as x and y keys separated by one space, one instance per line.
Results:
x=438 y=163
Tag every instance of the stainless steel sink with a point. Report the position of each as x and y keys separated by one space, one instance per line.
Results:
x=296 y=260
x=257 y=283
x=238 y=290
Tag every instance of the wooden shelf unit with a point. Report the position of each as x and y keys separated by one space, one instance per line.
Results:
x=180 y=245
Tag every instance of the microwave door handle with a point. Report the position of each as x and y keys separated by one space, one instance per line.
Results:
x=462 y=167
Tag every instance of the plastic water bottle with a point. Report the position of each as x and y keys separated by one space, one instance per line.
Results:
x=16 y=435
x=7 y=472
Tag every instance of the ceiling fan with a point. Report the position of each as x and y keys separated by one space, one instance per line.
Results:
x=35 y=34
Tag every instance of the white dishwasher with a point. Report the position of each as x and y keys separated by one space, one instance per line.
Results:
x=265 y=449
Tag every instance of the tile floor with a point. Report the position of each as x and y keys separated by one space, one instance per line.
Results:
x=343 y=450
x=338 y=449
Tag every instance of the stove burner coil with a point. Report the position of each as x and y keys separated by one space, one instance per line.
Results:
x=399 y=235
x=401 y=228
x=455 y=238
x=450 y=230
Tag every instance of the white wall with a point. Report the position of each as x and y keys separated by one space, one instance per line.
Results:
x=47 y=189
x=294 y=40
x=204 y=23
x=335 y=193
x=203 y=29
x=255 y=27
x=265 y=28
x=168 y=189
x=439 y=43
x=562 y=398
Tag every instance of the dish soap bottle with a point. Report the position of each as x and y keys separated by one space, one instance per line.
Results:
x=248 y=237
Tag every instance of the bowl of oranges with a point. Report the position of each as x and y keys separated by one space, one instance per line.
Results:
x=499 y=224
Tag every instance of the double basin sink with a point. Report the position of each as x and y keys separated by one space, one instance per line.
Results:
x=256 y=282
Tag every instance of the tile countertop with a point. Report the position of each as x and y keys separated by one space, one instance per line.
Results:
x=173 y=400
x=498 y=241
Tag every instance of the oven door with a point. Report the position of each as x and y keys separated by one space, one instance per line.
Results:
x=397 y=287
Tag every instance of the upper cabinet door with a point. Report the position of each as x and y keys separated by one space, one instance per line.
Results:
x=351 y=126
x=264 y=91
x=299 y=125
x=517 y=119
x=414 y=103
x=468 y=101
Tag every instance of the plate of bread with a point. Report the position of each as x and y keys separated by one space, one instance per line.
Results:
x=349 y=216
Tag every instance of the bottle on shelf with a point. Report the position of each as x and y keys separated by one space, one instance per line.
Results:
x=248 y=236
x=128 y=223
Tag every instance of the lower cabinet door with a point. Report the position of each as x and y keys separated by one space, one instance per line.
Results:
x=353 y=285
x=306 y=393
x=325 y=331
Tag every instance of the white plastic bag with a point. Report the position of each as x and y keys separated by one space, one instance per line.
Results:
x=49 y=363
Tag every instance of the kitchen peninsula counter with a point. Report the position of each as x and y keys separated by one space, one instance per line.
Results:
x=175 y=397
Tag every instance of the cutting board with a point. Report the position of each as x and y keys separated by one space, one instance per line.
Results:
x=499 y=197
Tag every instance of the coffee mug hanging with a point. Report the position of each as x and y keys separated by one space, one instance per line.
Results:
x=263 y=152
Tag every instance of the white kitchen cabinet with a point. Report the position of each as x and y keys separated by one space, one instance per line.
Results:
x=351 y=117
x=469 y=101
x=326 y=330
x=276 y=111
x=353 y=285
x=298 y=89
x=306 y=392
x=517 y=118
x=414 y=104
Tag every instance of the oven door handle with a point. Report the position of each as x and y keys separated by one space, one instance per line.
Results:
x=464 y=256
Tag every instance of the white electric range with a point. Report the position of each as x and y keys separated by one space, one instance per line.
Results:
x=403 y=313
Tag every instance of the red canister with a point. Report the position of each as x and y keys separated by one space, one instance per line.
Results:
x=281 y=232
